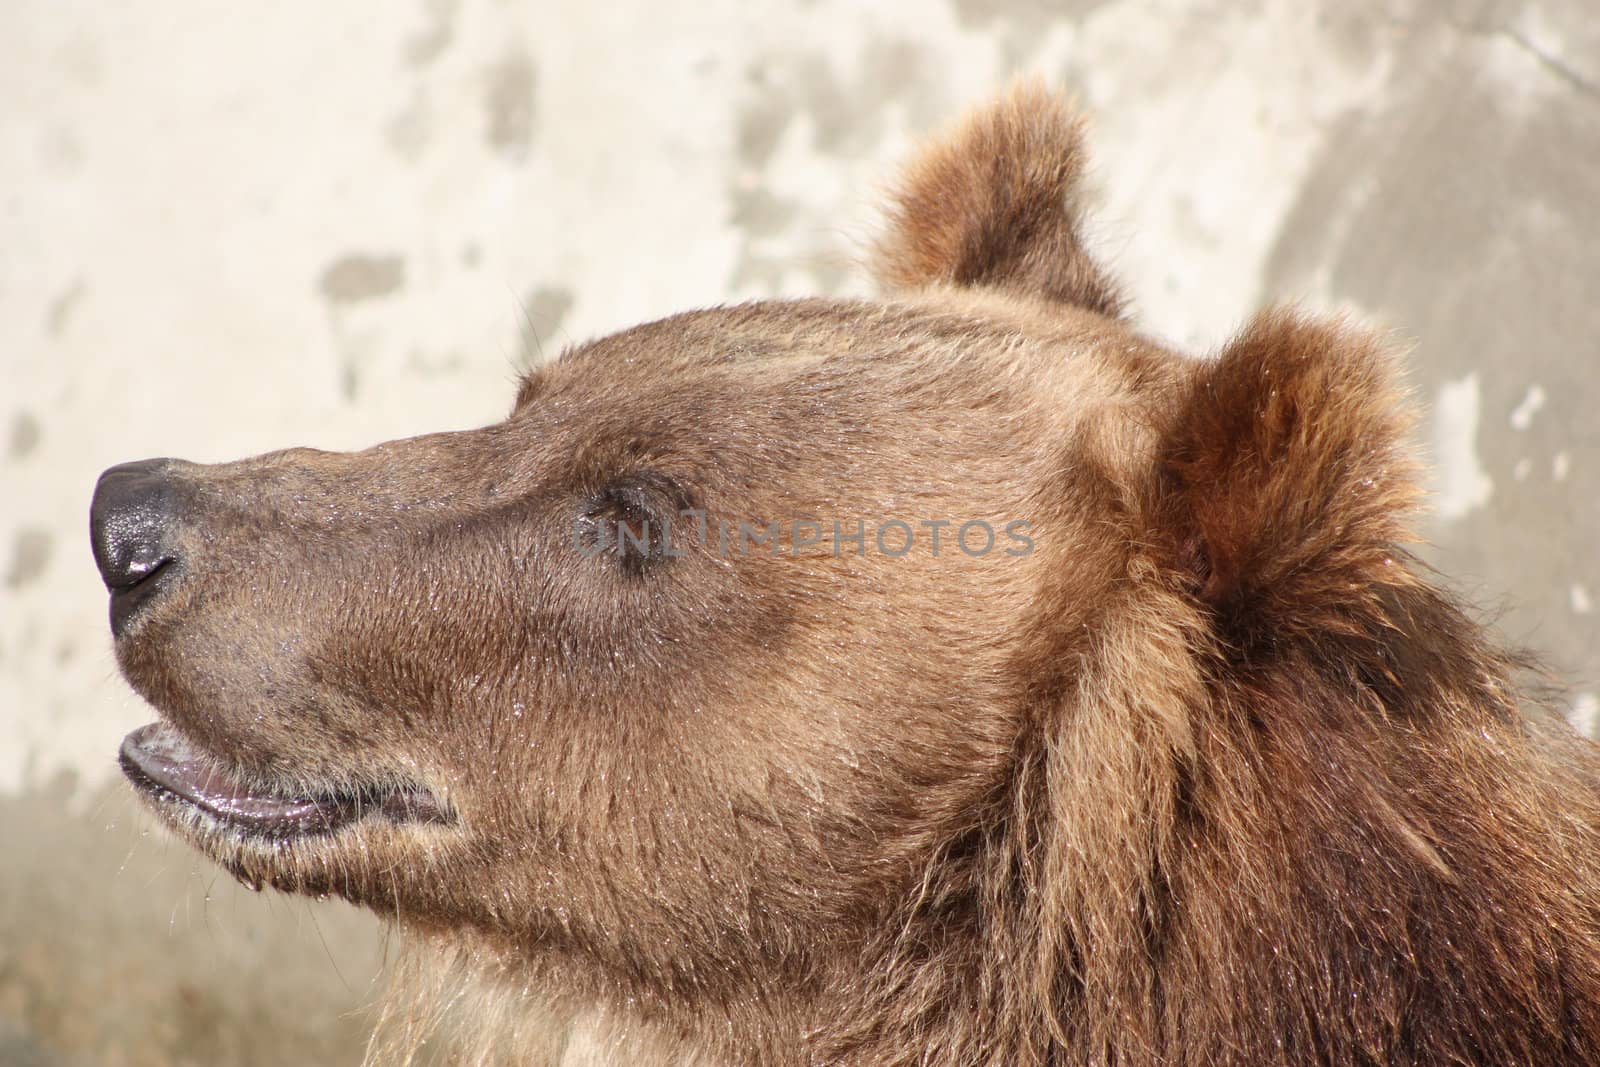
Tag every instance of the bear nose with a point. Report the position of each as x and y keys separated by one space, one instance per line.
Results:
x=131 y=526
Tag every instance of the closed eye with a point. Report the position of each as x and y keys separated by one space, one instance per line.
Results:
x=633 y=517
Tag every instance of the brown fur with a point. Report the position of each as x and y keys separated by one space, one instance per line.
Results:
x=1214 y=775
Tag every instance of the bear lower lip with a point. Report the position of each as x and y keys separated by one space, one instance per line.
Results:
x=163 y=765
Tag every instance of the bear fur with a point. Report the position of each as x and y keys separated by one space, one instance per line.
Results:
x=1195 y=767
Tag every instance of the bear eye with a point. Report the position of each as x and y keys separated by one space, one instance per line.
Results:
x=634 y=521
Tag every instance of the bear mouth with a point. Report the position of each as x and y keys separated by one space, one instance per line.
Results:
x=173 y=773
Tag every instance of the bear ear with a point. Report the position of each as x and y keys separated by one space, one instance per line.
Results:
x=1288 y=475
x=994 y=204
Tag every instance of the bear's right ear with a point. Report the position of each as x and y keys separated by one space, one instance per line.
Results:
x=994 y=205
x=1288 y=479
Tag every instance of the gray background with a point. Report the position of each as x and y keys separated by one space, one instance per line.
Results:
x=227 y=228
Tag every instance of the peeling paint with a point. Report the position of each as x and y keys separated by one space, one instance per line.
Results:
x=408 y=132
x=427 y=45
x=23 y=436
x=1585 y=714
x=1532 y=403
x=1462 y=483
x=62 y=307
x=30 y=554
x=542 y=314
x=798 y=125
x=354 y=278
x=510 y=105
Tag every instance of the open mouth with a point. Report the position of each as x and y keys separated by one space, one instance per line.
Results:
x=167 y=768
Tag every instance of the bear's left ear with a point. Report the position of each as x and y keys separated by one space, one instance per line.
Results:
x=1288 y=482
x=994 y=205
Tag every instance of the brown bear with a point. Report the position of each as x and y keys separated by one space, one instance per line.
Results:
x=958 y=678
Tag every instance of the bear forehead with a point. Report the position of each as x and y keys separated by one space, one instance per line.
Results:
x=952 y=350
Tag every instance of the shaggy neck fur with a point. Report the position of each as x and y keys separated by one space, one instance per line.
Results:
x=1306 y=861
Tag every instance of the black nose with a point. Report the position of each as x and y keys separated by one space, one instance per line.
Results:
x=131 y=526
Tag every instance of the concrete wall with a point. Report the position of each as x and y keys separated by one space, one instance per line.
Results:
x=225 y=228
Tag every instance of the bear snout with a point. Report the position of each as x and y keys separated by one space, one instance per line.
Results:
x=133 y=521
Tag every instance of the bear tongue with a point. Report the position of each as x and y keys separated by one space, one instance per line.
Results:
x=158 y=760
